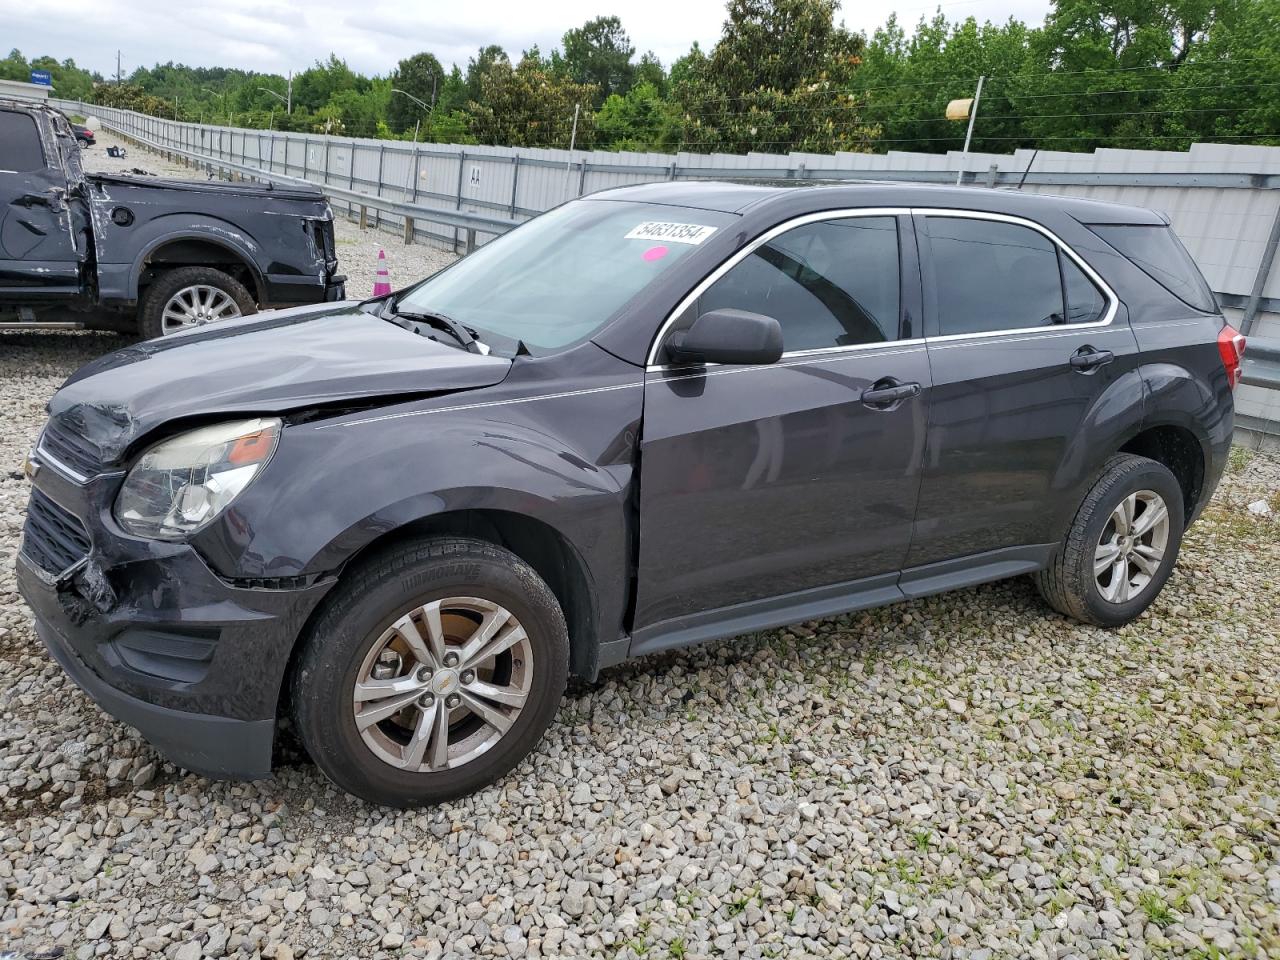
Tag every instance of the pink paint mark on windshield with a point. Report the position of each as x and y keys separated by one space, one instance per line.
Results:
x=655 y=253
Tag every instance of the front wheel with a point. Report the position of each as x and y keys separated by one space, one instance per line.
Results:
x=434 y=670
x=1121 y=546
x=191 y=297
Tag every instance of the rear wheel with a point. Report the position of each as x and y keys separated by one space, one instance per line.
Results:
x=191 y=297
x=433 y=671
x=1121 y=546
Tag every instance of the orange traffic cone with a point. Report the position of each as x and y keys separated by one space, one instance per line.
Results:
x=382 y=286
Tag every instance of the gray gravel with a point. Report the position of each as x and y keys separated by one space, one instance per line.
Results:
x=967 y=776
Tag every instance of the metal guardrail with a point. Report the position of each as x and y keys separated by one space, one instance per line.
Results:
x=1261 y=367
x=469 y=223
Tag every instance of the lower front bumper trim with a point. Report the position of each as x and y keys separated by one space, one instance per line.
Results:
x=222 y=748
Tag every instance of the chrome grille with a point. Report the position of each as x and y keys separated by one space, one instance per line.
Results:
x=70 y=450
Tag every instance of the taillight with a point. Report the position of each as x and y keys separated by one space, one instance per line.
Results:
x=1231 y=345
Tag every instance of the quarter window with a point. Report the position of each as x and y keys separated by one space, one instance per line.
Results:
x=990 y=276
x=19 y=143
x=829 y=284
x=1085 y=302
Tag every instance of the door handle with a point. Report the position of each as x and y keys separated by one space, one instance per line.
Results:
x=887 y=393
x=1087 y=359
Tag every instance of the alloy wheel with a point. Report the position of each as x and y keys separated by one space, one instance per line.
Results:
x=195 y=306
x=443 y=684
x=1132 y=546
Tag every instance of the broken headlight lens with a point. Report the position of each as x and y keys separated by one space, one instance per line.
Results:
x=182 y=483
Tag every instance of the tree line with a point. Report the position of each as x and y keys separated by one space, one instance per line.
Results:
x=785 y=75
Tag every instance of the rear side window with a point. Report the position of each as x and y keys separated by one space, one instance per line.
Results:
x=990 y=276
x=19 y=143
x=1160 y=255
x=829 y=284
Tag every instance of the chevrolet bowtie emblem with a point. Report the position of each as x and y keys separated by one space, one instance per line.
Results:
x=30 y=468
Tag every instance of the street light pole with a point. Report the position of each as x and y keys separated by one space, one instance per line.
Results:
x=429 y=107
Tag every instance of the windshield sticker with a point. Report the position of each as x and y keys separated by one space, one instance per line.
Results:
x=673 y=232
x=655 y=253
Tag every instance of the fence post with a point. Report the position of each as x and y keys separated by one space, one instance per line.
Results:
x=417 y=158
x=515 y=180
x=672 y=174
x=306 y=156
x=1261 y=277
x=382 y=156
x=462 y=162
x=582 y=177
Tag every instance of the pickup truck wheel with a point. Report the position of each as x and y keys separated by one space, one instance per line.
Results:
x=433 y=670
x=191 y=297
x=1121 y=546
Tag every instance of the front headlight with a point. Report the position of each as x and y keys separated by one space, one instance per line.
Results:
x=182 y=483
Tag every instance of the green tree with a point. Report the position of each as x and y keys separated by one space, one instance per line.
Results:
x=313 y=88
x=526 y=106
x=638 y=120
x=778 y=80
x=420 y=75
x=649 y=70
x=480 y=65
x=599 y=53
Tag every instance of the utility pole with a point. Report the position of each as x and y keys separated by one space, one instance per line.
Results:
x=973 y=115
x=573 y=138
x=288 y=104
x=118 y=71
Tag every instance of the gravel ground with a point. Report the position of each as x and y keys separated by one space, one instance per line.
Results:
x=968 y=776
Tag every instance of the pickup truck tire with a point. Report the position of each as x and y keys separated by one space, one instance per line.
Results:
x=394 y=693
x=197 y=286
x=1121 y=545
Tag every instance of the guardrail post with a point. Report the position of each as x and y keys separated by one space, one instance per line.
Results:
x=364 y=217
x=582 y=177
x=408 y=230
x=992 y=172
x=471 y=239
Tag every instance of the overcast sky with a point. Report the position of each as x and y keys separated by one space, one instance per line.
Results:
x=275 y=36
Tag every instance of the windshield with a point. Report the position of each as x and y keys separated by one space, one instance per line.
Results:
x=559 y=278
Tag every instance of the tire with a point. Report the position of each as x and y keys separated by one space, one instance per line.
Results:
x=370 y=605
x=1069 y=583
x=151 y=311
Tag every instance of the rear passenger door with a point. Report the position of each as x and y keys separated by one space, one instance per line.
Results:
x=1023 y=339
x=38 y=246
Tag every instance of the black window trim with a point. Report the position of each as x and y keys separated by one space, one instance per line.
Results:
x=1113 y=301
x=652 y=363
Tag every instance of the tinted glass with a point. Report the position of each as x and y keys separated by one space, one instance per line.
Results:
x=991 y=276
x=1163 y=258
x=19 y=143
x=559 y=278
x=829 y=284
x=1085 y=302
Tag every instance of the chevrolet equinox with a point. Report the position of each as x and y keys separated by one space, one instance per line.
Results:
x=657 y=416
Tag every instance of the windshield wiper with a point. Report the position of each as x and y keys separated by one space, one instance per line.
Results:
x=410 y=320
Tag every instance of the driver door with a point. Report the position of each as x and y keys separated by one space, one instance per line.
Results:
x=778 y=492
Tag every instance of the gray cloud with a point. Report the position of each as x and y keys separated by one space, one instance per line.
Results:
x=374 y=35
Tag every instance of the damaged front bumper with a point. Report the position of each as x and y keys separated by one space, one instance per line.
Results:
x=153 y=635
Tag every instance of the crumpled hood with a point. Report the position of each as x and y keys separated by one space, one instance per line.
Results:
x=268 y=363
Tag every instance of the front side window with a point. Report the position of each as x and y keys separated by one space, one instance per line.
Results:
x=990 y=276
x=561 y=277
x=19 y=143
x=829 y=284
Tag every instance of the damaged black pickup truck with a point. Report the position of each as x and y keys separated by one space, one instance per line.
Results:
x=120 y=252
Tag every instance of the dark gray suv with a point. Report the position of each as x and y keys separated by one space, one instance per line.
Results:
x=657 y=416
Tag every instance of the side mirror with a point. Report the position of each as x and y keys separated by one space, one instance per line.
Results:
x=728 y=336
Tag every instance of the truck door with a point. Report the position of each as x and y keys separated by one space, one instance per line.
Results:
x=40 y=250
